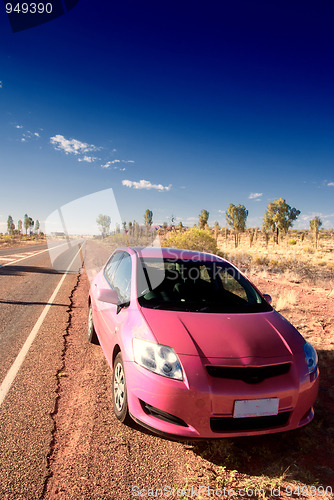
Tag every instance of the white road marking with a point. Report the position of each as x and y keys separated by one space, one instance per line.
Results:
x=18 y=255
x=21 y=258
x=12 y=372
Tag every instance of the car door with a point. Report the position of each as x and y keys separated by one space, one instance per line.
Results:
x=118 y=277
x=103 y=280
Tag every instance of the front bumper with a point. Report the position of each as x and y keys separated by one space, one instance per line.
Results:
x=202 y=406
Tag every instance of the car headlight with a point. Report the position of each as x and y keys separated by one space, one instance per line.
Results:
x=157 y=358
x=311 y=357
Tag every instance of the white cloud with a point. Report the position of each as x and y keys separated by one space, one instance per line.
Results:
x=72 y=146
x=0 y=84
x=106 y=165
x=27 y=135
x=88 y=159
x=331 y=184
x=255 y=196
x=142 y=184
x=112 y=162
x=30 y=135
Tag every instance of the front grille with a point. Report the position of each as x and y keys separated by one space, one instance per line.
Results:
x=226 y=424
x=162 y=415
x=249 y=374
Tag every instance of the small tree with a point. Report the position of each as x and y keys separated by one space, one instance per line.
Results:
x=180 y=225
x=37 y=226
x=236 y=218
x=26 y=222
x=203 y=219
x=279 y=217
x=315 y=225
x=31 y=224
x=251 y=234
x=216 y=229
x=10 y=225
x=104 y=221
x=266 y=237
x=148 y=218
x=19 y=226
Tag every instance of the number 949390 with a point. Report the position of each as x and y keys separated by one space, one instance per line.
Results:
x=29 y=8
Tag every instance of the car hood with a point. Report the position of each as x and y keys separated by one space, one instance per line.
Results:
x=256 y=337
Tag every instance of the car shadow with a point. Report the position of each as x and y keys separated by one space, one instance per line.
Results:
x=24 y=303
x=21 y=270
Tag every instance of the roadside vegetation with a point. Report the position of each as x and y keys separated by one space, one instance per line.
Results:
x=25 y=232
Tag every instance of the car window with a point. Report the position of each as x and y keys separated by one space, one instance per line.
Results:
x=199 y=287
x=111 y=266
x=122 y=279
x=231 y=285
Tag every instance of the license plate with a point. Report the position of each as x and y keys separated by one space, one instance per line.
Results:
x=255 y=407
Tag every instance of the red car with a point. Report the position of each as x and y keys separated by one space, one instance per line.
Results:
x=196 y=350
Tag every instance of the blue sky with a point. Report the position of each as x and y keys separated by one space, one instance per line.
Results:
x=176 y=106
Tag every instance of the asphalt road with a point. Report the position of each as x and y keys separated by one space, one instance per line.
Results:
x=27 y=282
x=59 y=438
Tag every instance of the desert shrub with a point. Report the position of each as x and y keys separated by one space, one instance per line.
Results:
x=274 y=263
x=286 y=300
x=292 y=242
x=308 y=249
x=192 y=239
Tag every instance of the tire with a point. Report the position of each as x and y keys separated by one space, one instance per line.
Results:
x=119 y=393
x=92 y=337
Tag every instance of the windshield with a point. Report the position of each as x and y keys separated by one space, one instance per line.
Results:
x=196 y=286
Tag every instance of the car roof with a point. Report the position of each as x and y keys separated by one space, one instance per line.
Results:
x=172 y=253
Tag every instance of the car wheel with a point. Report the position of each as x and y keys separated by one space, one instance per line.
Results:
x=119 y=394
x=92 y=337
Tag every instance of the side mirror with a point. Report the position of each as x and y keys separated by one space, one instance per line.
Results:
x=267 y=298
x=108 y=295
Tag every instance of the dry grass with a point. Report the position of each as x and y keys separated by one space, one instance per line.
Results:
x=7 y=241
x=300 y=261
x=286 y=300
